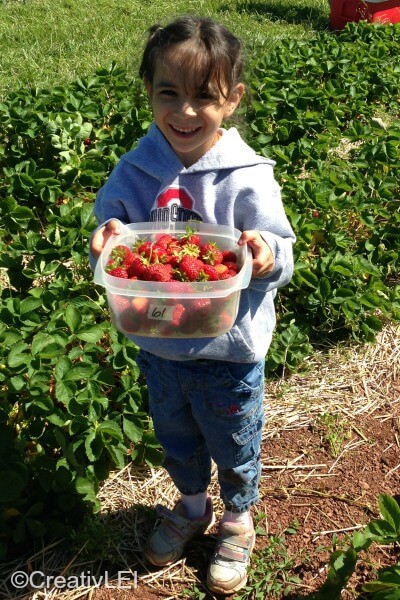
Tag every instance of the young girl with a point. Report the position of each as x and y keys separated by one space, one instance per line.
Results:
x=205 y=394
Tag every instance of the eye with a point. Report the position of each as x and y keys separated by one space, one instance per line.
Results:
x=167 y=92
x=206 y=95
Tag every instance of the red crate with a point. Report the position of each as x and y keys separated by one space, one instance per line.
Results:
x=344 y=11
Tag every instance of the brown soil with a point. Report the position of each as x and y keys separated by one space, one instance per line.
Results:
x=331 y=447
x=328 y=496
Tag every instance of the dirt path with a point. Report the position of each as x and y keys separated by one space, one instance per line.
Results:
x=331 y=445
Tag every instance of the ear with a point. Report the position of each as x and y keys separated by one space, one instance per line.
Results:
x=234 y=99
x=148 y=86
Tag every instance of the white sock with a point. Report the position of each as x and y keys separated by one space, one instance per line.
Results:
x=195 y=505
x=243 y=518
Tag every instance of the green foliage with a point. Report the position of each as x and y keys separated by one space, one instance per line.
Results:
x=315 y=108
x=271 y=574
x=386 y=586
x=384 y=531
x=72 y=403
x=334 y=430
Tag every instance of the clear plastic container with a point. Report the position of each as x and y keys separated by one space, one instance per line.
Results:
x=175 y=309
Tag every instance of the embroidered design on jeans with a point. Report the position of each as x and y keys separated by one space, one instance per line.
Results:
x=227 y=410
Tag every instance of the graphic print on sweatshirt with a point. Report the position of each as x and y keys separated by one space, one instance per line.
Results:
x=174 y=204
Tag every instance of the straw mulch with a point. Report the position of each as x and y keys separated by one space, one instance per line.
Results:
x=351 y=381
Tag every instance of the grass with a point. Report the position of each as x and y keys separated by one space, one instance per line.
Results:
x=334 y=431
x=45 y=43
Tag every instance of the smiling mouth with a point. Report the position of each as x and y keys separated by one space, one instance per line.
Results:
x=184 y=132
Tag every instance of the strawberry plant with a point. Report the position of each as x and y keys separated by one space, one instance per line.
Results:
x=72 y=401
x=339 y=166
x=384 y=531
x=72 y=404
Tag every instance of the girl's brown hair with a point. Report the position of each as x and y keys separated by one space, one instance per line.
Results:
x=209 y=52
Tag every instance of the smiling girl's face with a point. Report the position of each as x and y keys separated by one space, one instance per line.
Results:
x=187 y=113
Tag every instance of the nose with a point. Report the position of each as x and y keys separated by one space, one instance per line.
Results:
x=187 y=108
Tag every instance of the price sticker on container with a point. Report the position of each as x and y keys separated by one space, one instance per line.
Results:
x=160 y=312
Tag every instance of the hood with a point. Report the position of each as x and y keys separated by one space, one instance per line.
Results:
x=155 y=157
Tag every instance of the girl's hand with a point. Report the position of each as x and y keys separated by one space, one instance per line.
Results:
x=263 y=259
x=102 y=235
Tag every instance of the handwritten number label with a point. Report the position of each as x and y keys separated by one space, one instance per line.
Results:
x=160 y=312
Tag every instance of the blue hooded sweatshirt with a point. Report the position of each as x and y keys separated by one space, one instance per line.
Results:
x=229 y=185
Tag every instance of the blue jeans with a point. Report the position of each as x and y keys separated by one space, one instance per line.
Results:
x=203 y=410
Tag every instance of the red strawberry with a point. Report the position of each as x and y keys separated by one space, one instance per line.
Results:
x=174 y=260
x=191 y=238
x=166 y=330
x=210 y=272
x=154 y=252
x=129 y=321
x=177 y=315
x=137 y=258
x=226 y=320
x=163 y=240
x=233 y=272
x=232 y=266
x=138 y=267
x=190 y=268
x=159 y=272
x=119 y=272
x=119 y=303
x=190 y=324
x=122 y=255
x=229 y=256
x=140 y=304
x=166 y=239
x=144 y=247
x=211 y=254
x=221 y=268
x=217 y=323
x=167 y=249
x=174 y=247
x=110 y=265
x=159 y=254
x=201 y=306
x=228 y=274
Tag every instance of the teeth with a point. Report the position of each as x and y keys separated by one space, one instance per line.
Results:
x=184 y=130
